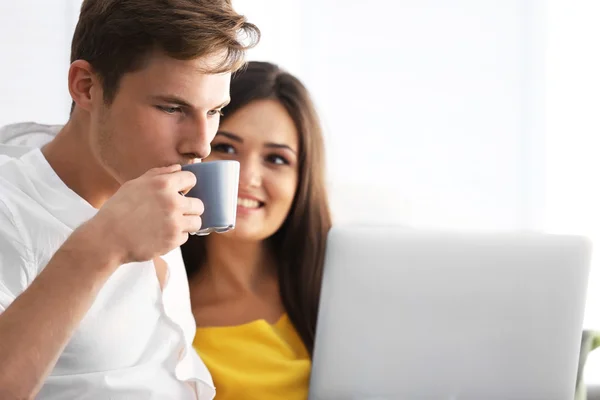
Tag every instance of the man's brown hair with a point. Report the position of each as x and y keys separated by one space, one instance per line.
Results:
x=117 y=36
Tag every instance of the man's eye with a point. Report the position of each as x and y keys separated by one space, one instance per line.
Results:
x=170 y=110
x=215 y=112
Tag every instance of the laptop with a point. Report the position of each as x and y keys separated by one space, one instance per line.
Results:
x=414 y=315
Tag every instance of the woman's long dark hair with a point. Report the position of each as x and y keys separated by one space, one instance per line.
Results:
x=299 y=244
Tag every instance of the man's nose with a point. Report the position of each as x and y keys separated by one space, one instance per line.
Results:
x=198 y=136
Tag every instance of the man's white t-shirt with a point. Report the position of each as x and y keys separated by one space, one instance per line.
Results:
x=135 y=342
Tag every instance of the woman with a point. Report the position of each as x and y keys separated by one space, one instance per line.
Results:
x=255 y=290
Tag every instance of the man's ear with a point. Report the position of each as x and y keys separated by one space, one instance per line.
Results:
x=82 y=83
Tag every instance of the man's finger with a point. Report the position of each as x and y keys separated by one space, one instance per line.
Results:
x=182 y=181
x=164 y=170
x=192 y=223
x=192 y=206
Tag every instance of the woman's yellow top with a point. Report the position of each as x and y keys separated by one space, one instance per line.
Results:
x=256 y=360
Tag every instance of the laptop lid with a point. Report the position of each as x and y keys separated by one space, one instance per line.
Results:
x=423 y=315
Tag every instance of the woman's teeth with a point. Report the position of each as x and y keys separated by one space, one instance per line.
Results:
x=248 y=203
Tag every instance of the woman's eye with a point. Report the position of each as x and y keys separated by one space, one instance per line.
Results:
x=223 y=148
x=170 y=110
x=276 y=159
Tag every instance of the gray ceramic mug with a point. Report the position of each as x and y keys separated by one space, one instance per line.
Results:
x=217 y=186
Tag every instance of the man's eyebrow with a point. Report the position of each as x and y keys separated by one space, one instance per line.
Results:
x=172 y=99
x=231 y=136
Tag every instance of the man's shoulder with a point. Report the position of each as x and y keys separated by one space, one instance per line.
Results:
x=13 y=178
x=18 y=267
x=12 y=171
x=13 y=228
x=27 y=226
x=15 y=186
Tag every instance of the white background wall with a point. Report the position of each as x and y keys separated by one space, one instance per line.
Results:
x=436 y=101
x=463 y=114
x=35 y=38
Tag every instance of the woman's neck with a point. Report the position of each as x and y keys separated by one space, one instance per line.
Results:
x=237 y=266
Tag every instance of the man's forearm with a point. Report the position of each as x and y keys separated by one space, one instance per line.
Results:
x=37 y=326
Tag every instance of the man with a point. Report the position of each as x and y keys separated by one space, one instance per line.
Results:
x=93 y=295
